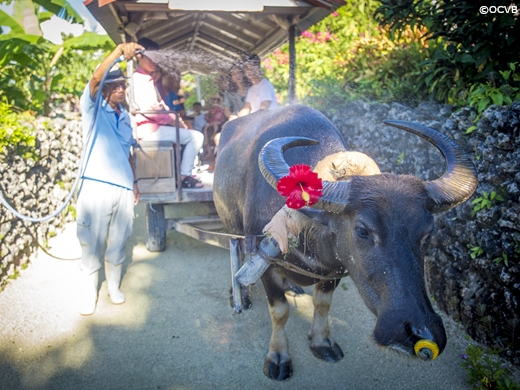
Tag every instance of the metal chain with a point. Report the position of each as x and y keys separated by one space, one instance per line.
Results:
x=295 y=268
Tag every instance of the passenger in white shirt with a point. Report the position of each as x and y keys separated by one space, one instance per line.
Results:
x=261 y=95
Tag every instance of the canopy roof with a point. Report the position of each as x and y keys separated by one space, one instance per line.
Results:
x=222 y=30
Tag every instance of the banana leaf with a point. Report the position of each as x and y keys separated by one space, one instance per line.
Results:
x=8 y=21
x=89 y=41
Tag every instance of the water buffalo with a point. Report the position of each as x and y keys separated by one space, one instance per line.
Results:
x=377 y=227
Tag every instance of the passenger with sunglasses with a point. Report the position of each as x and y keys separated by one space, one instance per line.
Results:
x=108 y=192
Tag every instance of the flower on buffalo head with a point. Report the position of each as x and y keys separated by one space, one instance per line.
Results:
x=301 y=186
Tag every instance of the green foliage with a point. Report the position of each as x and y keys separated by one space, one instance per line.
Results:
x=485 y=201
x=208 y=88
x=72 y=73
x=33 y=70
x=484 y=372
x=481 y=96
x=61 y=8
x=514 y=254
x=503 y=258
x=475 y=252
x=72 y=210
x=470 y=130
x=348 y=56
x=474 y=46
x=400 y=158
x=15 y=131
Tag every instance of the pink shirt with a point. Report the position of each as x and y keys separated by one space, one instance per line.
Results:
x=146 y=98
x=216 y=115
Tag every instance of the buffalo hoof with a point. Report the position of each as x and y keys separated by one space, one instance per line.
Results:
x=330 y=353
x=278 y=366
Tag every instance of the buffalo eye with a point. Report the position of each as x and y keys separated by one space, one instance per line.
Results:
x=362 y=232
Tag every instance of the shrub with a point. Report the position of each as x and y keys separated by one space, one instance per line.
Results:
x=484 y=372
x=346 y=57
x=16 y=133
x=475 y=46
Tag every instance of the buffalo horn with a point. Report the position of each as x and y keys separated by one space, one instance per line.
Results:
x=458 y=182
x=273 y=167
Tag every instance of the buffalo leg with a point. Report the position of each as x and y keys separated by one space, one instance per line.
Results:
x=278 y=363
x=322 y=345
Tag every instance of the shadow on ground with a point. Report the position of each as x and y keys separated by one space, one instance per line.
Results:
x=177 y=330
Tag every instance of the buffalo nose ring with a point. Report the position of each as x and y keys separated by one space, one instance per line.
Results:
x=426 y=350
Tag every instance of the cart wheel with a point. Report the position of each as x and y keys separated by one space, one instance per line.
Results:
x=156 y=228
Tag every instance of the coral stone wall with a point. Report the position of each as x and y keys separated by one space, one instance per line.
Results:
x=473 y=267
x=37 y=188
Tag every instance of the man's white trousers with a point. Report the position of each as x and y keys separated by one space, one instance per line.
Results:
x=105 y=215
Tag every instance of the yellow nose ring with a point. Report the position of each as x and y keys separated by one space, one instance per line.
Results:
x=426 y=350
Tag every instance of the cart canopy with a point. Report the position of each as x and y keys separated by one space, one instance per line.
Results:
x=221 y=29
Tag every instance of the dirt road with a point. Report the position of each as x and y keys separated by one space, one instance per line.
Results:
x=177 y=330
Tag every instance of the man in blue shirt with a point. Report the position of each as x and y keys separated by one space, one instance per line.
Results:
x=108 y=191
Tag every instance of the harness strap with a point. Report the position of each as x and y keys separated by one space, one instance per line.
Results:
x=291 y=267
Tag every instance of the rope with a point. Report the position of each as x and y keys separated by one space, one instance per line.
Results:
x=85 y=156
x=56 y=257
x=294 y=268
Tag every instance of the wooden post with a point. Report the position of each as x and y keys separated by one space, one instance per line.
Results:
x=234 y=251
x=292 y=65
x=178 y=156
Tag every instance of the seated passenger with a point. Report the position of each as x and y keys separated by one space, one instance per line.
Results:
x=199 y=119
x=161 y=127
x=215 y=119
x=169 y=87
x=261 y=95
x=235 y=94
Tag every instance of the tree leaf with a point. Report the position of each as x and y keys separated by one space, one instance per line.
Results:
x=89 y=41
x=62 y=9
x=8 y=21
x=44 y=16
x=55 y=81
x=497 y=98
x=466 y=58
x=24 y=11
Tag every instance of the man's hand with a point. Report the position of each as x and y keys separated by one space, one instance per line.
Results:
x=136 y=194
x=128 y=50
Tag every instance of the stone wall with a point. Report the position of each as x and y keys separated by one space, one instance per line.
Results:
x=483 y=293
x=37 y=188
x=466 y=266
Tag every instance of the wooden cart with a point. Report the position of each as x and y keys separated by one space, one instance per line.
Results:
x=224 y=30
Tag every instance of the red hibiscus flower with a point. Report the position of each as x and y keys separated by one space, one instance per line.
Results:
x=301 y=186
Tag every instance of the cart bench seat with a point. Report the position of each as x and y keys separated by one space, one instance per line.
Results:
x=155 y=170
